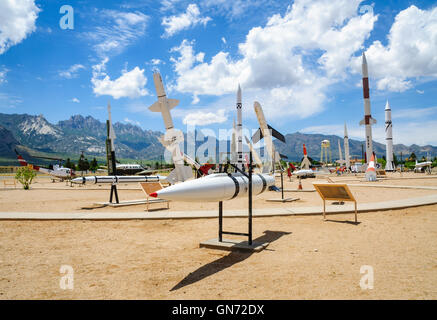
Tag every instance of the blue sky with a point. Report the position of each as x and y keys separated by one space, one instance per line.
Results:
x=300 y=59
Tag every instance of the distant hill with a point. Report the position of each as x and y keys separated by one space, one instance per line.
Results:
x=87 y=134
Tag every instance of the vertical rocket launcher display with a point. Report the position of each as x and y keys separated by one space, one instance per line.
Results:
x=368 y=120
x=389 y=139
x=110 y=150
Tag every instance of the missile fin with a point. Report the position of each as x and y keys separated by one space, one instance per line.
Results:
x=172 y=103
x=277 y=134
x=257 y=136
x=156 y=107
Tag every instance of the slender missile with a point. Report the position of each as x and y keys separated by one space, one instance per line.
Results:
x=215 y=187
x=388 y=139
x=117 y=179
x=368 y=120
x=172 y=137
x=239 y=130
x=346 y=148
x=110 y=149
x=233 y=145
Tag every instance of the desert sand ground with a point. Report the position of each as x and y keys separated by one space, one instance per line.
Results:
x=307 y=258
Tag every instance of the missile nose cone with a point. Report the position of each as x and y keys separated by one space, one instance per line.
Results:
x=153 y=195
x=364 y=58
x=387 y=106
x=239 y=94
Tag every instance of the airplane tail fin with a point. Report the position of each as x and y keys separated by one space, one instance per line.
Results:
x=20 y=159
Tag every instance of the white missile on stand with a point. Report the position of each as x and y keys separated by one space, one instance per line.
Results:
x=368 y=120
x=117 y=179
x=389 y=139
x=346 y=148
x=215 y=187
x=233 y=145
x=172 y=137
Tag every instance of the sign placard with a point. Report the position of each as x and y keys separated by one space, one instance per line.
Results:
x=335 y=192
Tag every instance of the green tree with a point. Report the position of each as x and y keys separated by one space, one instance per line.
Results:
x=82 y=163
x=25 y=176
x=69 y=164
x=412 y=157
x=94 y=165
x=395 y=160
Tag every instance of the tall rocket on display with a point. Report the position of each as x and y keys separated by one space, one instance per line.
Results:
x=110 y=149
x=240 y=164
x=368 y=120
x=389 y=139
x=346 y=148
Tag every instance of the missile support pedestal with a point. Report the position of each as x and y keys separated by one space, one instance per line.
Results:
x=224 y=244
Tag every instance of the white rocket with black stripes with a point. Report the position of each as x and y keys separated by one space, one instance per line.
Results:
x=216 y=187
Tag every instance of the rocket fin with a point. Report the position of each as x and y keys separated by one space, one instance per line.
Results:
x=362 y=122
x=172 y=103
x=372 y=121
x=156 y=107
x=257 y=136
x=276 y=134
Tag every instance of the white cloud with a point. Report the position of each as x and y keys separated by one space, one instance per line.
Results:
x=119 y=31
x=130 y=84
x=133 y=122
x=17 y=21
x=190 y=18
x=3 y=75
x=420 y=91
x=71 y=72
x=274 y=58
x=409 y=54
x=76 y=100
x=202 y=118
x=224 y=40
x=156 y=62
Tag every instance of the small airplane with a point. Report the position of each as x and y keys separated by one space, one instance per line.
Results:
x=58 y=171
x=424 y=166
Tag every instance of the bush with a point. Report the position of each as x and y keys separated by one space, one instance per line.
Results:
x=25 y=176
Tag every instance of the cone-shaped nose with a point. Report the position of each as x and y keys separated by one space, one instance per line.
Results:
x=387 y=106
x=364 y=58
x=239 y=94
x=304 y=149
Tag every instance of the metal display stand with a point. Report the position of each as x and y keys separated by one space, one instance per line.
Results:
x=114 y=191
x=249 y=233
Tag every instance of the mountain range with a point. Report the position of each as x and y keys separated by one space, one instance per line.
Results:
x=34 y=134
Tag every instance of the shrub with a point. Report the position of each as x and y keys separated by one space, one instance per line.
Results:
x=25 y=176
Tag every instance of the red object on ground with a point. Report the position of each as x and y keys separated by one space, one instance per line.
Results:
x=154 y=195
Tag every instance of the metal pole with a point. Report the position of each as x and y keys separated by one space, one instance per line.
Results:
x=220 y=221
x=250 y=198
x=282 y=184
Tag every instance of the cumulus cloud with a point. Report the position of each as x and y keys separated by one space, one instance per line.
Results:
x=410 y=52
x=275 y=58
x=71 y=72
x=3 y=75
x=130 y=84
x=76 y=100
x=202 y=118
x=17 y=21
x=120 y=29
x=190 y=18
